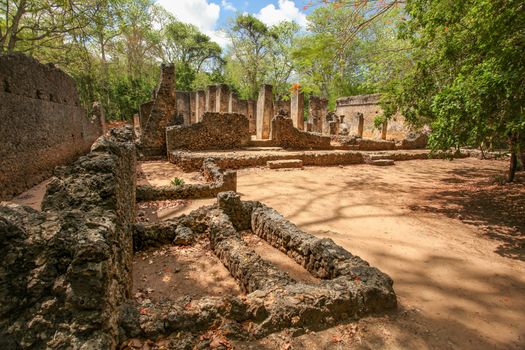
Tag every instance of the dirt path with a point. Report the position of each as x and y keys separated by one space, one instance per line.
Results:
x=433 y=227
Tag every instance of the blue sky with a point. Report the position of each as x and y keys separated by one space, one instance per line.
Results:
x=212 y=15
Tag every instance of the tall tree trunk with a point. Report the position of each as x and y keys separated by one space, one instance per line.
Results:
x=14 y=26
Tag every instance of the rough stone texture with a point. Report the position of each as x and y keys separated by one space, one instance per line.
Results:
x=287 y=163
x=233 y=104
x=200 y=104
x=222 y=99
x=264 y=112
x=413 y=141
x=343 y=126
x=159 y=113
x=381 y=162
x=211 y=97
x=318 y=110
x=375 y=145
x=100 y=115
x=283 y=106
x=66 y=270
x=41 y=123
x=297 y=109
x=252 y=116
x=369 y=106
x=360 y=119
x=331 y=124
x=183 y=107
x=218 y=181
x=215 y=131
x=286 y=135
x=350 y=287
x=193 y=162
x=193 y=107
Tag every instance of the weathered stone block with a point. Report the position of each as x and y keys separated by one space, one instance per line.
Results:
x=285 y=163
x=264 y=112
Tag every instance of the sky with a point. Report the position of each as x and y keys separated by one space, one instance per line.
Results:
x=212 y=15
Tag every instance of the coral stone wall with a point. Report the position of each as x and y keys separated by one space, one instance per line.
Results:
x=369 y=106
x=41 y=123
x=286 y=135
x=215 y=131
x=67 y=270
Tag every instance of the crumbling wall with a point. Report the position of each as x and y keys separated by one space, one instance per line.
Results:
x=369 y=106
x=218 y=181
x=215 y=131
x=66 y=270
x=157 y=114
x=286 y=135
x=41 y=123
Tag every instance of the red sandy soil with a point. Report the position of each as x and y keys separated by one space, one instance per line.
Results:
x=172 y=272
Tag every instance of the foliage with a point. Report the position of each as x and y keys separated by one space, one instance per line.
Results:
x=470 y=72
x=177 y=182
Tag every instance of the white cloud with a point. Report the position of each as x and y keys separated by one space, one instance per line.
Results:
x=200 y=13
x=285 y=11
x=228 y=6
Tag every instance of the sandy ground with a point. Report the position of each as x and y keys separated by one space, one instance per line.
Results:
x=173 y=272
x=452 y=241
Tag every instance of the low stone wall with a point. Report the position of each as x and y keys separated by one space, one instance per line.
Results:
x=215 y=131
x=41 y=123
x=351 y=288
x=67 y=270
x=189 y=162
x=285 y=135
x=413 y=141
x=219 y=181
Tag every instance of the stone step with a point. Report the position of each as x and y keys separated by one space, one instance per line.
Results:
x=382 y=162
x=285 y=163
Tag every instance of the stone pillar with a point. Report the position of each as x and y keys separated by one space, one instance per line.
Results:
x=297 y=109
x=98 y=112
x=223 y=98
x=200 y=104
x=159 y=113
x=211 y=93
x=233 y=103
x=136 y=125
x=383 y=130
x=264 y=112
x=360 y=124
x=193 y=112
x=252 y=116
x=318 y=110
x=183 y=108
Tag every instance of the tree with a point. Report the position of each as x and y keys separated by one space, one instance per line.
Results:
x=470 y=73
x=250 y=41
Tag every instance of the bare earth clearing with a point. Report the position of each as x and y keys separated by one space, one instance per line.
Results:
x=451 y=238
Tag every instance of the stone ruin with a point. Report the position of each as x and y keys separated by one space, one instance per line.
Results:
x=41 y=123
x=67 y=270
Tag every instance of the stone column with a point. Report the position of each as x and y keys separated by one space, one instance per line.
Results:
x=193 y=104
x=252 y=116
x=200 y=104
x=98 y=112
x=318 y=110
x=297 y=109
x=223 y=98
x=183 y=107
x=383 y=130
x=264 y=112
x=233 y=103
x=211 y=93
x=360 y=124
